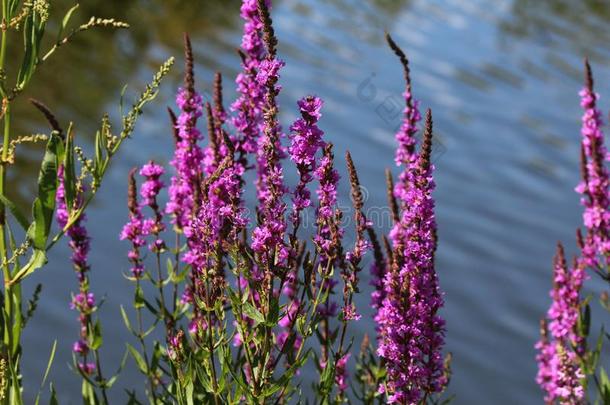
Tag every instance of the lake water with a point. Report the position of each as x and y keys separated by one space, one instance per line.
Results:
x=501 y=78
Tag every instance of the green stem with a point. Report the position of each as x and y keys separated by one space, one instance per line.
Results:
x=8 y=291
x=140 y=336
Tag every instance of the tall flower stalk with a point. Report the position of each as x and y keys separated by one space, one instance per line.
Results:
x=560 y=373
x=594 y=184
x=86 y=348
x=566 y=363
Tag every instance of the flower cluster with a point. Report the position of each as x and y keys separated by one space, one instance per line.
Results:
x=267 y=282
x=188 y=156
x=268 y=237
x=559 y=373
x=84 y=300
x=595 y=182
x=149 y=191
x=411 y=333
x=133 y=230
x=306 y=142
x=249 y=106
x=329 y=234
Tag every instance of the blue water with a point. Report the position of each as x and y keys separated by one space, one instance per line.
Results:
x=501 y=78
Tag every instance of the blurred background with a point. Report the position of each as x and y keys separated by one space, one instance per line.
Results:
x=501 y=77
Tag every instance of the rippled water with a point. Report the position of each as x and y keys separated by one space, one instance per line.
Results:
x=501 y=78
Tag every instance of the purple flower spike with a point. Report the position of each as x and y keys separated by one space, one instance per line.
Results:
x=83 y=301
x=559 y=373
x=411 y=333
x=149 y=191
x=249 y=106
x=188 y=156
x=306 y=142
x=595 y=182
x=133 y=230
x=268 y=237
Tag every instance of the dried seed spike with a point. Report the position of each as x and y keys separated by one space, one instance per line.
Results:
x=212 y=133
x=189 y=76
x=543 y=329
x=583 y=165
x=579 y=239
x=402 y=56
x=268 y=31
x=132 y=192
x=174 y=120
x=574 y=262
x=560 y=257
x=364 y=346
x=588 y=75
x=218 y=106
x=229 y=144
x=242 y=56
x=391 y=198
x=48 y=115
x=426 y=149
x=357 y=198
x=377 y=252
x=388 y=249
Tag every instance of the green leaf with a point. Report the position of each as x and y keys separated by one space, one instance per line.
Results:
x=46 y=373
x=126 y=320
x=98 y=163
x=37 y=260
x=69 y=169
x=253 y=313
x=138 y=358
x=53 y=400
x=96 y=338
x=274 y=312
x=65 y=21
x=139 y=301
x=19 y=216
x=44 y=204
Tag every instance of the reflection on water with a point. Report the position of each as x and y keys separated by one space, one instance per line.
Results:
x=501 y=77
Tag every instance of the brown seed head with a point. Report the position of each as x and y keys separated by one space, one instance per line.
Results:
x=588 y=75
x=174 y=121
x=189 y=76
x=426 y=149
x=132 y=192
x=268 y=31
x=51 y=118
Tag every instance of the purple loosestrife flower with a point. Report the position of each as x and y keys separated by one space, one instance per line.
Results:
x=268 y=237
x=411 y=332
x=249 y=105
x=341 y=376
x=149 y=191
x=559 y=374
x=405 y=153
x=329 y=234
x=306 y=141
x=565 y=307
x=378 y=271
x=133 y=231
x=594 y=185
x=350 y=273
x=219 y=220
x=83 y=301
x=188 y=156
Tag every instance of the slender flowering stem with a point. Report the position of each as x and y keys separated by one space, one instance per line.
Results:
x=188 y=156
x=595 y=181
x=411 y=331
